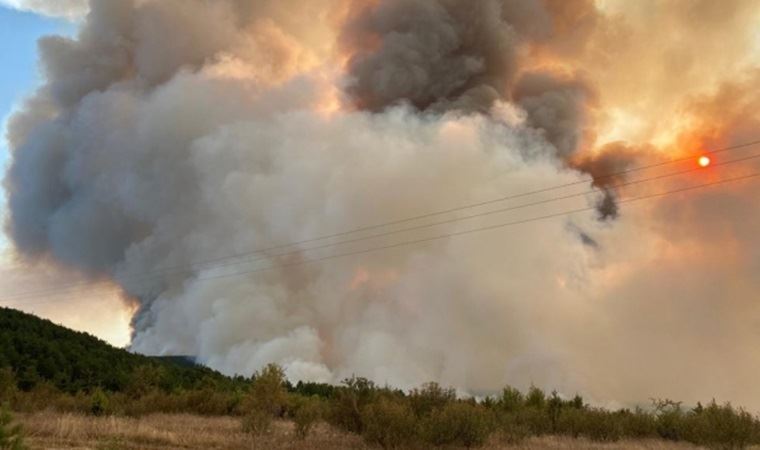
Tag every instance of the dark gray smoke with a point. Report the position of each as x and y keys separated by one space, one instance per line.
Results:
x=450 y=55
x=436 y=55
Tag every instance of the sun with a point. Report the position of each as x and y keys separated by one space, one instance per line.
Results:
x=704 y=161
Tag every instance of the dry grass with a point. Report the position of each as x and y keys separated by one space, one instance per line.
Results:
x=67 y=431
x=162 y=431
x=551 y=443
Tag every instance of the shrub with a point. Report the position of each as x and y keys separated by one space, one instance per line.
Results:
x=458 y=423
x=267 y=391
x=718 y=426
x=99 y=404
x=668 y=418
x=266 y=399
x=11 y=436
x=594 y=424
x=145 y=379
x=535 y=420
x=206 y=401
x=637 y=424
x=429 y=397
x=306 y=412
x=348 y=402
x=389 y=423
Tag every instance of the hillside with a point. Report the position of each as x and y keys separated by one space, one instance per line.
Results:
x=38 y=350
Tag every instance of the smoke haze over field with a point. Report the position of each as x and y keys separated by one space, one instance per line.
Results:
x=174 y=132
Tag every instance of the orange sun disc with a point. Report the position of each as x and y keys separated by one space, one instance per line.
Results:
x=704 y=161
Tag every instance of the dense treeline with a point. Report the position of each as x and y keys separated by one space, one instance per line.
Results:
x=390 y=418
x=431 y=415
x=41 y=352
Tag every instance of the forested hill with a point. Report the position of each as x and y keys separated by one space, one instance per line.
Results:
x=39 y=351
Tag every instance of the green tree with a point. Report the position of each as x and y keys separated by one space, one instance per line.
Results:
x=458 y=423
x=348 y=402
x=267 y=399
x=99 y=404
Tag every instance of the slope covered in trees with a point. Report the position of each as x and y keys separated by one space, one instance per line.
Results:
x=39 y=351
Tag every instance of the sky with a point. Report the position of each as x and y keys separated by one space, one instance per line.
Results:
x=179 y=169
x=100 y=313
x=19 y=32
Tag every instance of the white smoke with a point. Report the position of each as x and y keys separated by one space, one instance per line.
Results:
x=172 y=132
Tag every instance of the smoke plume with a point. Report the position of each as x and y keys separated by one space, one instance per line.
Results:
x=172 y=134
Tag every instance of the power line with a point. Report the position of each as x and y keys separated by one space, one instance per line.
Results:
x=463 y=232
x=468 y=206
x=188 y=268
x=211 y=261
x=485 y=228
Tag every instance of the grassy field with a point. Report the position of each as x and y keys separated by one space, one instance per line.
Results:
x=68 y=431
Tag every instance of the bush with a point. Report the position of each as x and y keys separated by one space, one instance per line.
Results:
x=11 y=436
x=145 y=379
x=268 y=392
x=306 y=412
x=637 y=424
x=389 y=423
x=535 y=420
x=206 y=401
x=429 y=397
x=669 y=418
x=720 y=427
x=458 y=423
x=594 y=424
x=266 y=400
x=99 y=404
x=348 y=402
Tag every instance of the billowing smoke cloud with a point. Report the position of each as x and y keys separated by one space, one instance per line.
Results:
x=449 y=55
x=432 y=54
x=175 y=132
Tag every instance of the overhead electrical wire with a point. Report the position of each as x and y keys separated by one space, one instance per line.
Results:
x=470 y=206
x=202 y=263
x=586 y=180
x=190 y=268
x=464 y=232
